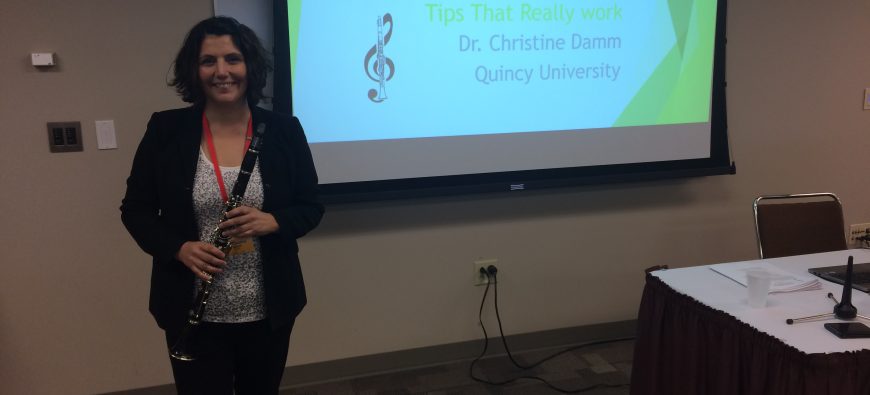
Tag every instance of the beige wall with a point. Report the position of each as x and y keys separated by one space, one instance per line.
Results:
x=392 y=275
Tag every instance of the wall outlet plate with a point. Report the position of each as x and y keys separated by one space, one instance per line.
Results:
x=42 y=59
x=480 y=278
x=858 y=230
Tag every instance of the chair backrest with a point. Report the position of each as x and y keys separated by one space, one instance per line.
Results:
x=799 y=224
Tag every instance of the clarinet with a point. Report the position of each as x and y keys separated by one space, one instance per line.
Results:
x=180 y=350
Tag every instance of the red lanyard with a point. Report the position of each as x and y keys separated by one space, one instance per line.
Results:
x=214 y=161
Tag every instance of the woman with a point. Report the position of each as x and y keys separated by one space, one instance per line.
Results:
x=187 y=162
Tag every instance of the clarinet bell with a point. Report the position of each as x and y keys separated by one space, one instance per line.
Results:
x=180 y=350
x=181 y=355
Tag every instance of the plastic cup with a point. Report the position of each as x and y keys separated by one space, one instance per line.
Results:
x=758 y=285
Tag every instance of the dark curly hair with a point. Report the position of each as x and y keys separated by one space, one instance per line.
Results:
x=186 y=65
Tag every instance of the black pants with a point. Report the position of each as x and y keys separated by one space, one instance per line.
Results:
x=246 y=357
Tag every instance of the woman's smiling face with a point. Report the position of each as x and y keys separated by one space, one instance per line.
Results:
x=222 y=71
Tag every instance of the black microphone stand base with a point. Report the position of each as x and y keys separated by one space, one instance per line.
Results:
x=843 y=314
x=844 y=309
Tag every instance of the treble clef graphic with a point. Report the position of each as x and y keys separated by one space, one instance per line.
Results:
x=377 y=70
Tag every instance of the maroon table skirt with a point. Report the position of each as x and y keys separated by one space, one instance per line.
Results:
x=684 y=347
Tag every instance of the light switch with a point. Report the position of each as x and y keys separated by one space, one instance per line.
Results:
x=106 y=135
x=64 y=136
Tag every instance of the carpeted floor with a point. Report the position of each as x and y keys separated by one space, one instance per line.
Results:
x=608 y=365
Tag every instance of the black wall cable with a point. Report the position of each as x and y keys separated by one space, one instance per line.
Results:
x=491 y=278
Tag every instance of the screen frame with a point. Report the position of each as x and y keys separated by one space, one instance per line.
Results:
x=719 y=162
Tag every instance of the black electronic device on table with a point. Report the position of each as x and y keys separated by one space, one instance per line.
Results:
x=837 y=274
x=844 y=309
x=848 y=330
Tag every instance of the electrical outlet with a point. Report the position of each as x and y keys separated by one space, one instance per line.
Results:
x=480 y=278
x=858 y=230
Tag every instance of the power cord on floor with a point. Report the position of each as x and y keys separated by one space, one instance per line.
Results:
x=491 y=278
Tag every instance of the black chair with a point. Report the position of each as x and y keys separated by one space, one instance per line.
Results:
x=799 y=224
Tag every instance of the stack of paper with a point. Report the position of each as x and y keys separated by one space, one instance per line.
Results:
x=780 y=280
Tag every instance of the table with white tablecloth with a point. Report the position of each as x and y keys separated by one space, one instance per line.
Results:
x=698 y=335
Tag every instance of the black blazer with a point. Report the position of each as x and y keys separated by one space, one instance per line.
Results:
x=158 y=209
